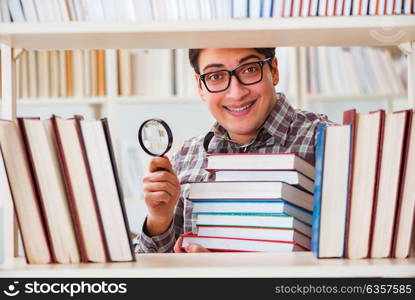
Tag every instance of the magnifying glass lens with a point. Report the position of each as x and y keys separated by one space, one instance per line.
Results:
x=155 y=137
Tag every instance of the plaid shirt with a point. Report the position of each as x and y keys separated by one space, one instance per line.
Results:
x=285 y=130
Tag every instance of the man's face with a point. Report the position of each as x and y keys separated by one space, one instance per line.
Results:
x=240 y=109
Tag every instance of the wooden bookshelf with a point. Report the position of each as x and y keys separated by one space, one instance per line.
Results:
x=299 y=264
x=312 y=31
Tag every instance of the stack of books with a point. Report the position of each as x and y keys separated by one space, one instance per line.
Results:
x=258 y=203
x=62 y=178
x=364 y=193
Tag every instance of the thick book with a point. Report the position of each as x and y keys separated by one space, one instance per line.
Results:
x=243 y=245
x=40 y=143
x=110 y=204
x=290 y=177
x=80 y=192
x=29 y=216
x=405 y=213
x=255 y=233
x=366 y=152
x=247 y=206
x=330 y=203
x=389 y=180
x=252 y=220
x=250 y=190
x=260 y=161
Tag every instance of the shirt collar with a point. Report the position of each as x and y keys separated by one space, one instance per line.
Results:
x=277 y=124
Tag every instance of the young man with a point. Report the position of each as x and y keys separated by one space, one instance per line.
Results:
x=238 y=86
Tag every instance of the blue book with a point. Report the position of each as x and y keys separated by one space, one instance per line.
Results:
x=318 y=188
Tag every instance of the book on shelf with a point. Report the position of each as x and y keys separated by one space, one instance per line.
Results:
x=111 y=210
x=331 y=190
x=255 y=233
x=368 y=131
x=243 y=245
x=5 y=198
x=40 y=144
x=251 y=206
x=80 y=192
x=388 y=185
x=260 y=161
x=278 y=220
x=291 y=177
x=172 y=10
x=405 y=213
x=250 y=190
x=27 y=208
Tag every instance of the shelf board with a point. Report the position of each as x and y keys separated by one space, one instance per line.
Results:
x=297 y=264
x=295 y=31
x=335 y=97
x=62 y=101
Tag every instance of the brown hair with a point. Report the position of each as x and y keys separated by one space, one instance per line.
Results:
x=194 y=56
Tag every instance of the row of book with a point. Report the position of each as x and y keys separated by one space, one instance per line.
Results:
x=352 y=71
x=257 y=203
x=98 y=73
x=132 y=10
x=62 y=177
x=364 y=195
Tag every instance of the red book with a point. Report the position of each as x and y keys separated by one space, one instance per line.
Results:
x=238 y=245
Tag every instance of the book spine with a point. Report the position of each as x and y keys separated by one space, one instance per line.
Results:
x=318 y=188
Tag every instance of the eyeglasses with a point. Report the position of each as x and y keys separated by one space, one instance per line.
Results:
x=247 y=74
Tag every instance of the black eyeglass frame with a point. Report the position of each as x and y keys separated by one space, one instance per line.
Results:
x=233 y=73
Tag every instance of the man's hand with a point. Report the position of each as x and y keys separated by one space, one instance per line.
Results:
x=190 y=248
x=161 y=192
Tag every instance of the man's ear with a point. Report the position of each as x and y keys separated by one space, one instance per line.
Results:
x=275 y=73
x=200 y=90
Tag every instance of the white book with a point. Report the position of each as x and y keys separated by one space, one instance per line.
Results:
x=395 y=75
x=334 y=69
x=64 y=13
x=95 y=10
x=325 y=77
x=277 y=9
x=152 y=71
x=364 y=11
x=185 y=81
x=240 y=9
x=227 y=244
x=322 y=7
x=193 y=9
x=389 y=7
x=339 y=8
x=110 y=10
x=381 y=7
x=361 y=69
x=287 y=8
x=314 y=8
x=56 y=13
x=296 y=8
x=172 y=9
x=398 y=7
x=62 y=73
x=81 y=14
x=143 y=9
x=407 y=7
x=372 y=7
x=16 y=11
x=213 y=9
x=305 y=8
x=125 y=10
x=29 y=10
x=111 y=72
x=266 y=8
x=182 y=9
x=254 y=8
x=351 y=72
x=330 y=7
x=356 y=7
x=4 y=10
x=106 y=190
x=347 y=7
x=205 y=9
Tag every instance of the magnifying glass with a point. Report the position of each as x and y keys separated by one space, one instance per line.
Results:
x=155 y=137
